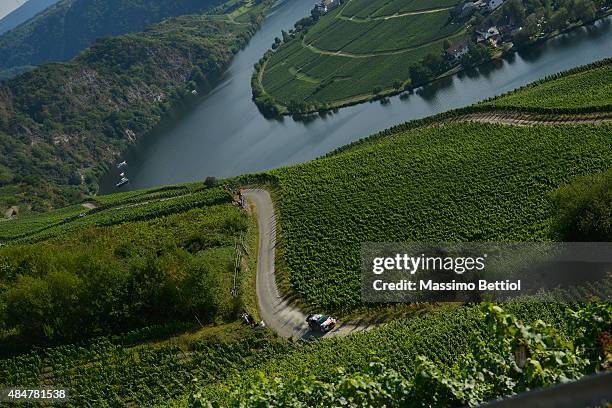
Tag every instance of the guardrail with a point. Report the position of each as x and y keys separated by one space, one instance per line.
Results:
x=592 y=391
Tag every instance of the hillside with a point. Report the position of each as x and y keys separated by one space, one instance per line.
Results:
x=433 y=182
x=585 y=89
x=25 y=12
x=363 y=50
x=480 y=173
x=63 y=123
x=70 y=26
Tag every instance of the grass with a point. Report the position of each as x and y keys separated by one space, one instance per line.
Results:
x=303 y=77
x=367 y=8
x=587 y=87
x=458 y=182
x=338 y=78
x=376 y=53
x=332 y=34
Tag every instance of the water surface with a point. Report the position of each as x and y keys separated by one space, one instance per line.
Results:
x=224 y=134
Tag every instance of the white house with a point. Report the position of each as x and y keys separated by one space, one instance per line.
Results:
x=327 y=5
x=491 y=34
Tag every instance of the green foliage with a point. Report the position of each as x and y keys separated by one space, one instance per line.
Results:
x=61 y=32
x=584 y=88
x=101 y=280
x=423 y=370
x=64 y=122
x=584 y=209
x=592 y=325
x=104 y=373
x=451 y=183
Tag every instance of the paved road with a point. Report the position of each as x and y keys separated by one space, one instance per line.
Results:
x=277 y=313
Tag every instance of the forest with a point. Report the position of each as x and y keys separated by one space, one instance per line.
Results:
x=68 y=27
x=63 y=123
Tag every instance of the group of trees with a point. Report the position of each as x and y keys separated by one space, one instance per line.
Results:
x=102 y=281
x=534 y=17
x=583 y=209
x=61 y=32
x=530 y=17
x=60 y=123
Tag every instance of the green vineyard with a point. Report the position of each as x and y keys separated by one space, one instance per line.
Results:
x=559 y=91
x=458 y=182
x=443 y=338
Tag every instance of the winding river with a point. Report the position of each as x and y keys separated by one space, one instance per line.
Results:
x=223 y=134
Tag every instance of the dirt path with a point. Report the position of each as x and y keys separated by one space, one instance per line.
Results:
x=396 y=15
x=529 y=119
x=276 y=311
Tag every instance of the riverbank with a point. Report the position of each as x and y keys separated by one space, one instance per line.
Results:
x=272 y=108
x=70 y=121
x=223 y=134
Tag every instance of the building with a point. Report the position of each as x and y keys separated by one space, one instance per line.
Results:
x=458 y=50
x=327 y=5
x=491 y=34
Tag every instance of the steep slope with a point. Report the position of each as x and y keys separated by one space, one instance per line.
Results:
x=442 y=179
x=25 y=12
x=70 y=26
x=62 y=123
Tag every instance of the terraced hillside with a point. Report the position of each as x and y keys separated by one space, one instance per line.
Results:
x=367 y=50
x=162 y=258
x=457 y=177
x=583 y=89
x=356 y=48
x=131 y=294
x=122 y=265
x=427 y=360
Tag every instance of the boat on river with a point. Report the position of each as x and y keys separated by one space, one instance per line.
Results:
x=122 y=182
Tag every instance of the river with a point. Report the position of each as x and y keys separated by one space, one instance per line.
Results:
x=223 y=134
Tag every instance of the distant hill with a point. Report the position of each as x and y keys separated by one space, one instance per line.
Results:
x=28 y=10
x=61 y=123
x=61 y=32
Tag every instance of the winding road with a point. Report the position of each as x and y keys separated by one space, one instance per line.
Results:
x=275 y=310
x=285 y=318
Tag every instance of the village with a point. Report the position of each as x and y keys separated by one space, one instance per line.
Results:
x=502 y=25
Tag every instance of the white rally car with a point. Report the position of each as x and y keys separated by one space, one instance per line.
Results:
x=319 y=322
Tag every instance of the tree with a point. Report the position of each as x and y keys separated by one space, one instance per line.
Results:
x=435 y=63
x=529 y=29
x=515 y=10
x=446 y=45
x=210 y=181
x=560 y=19
x=583 y=209
x=420 y=74
x=477 y=53
x=584 y=10
x=285 y=35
